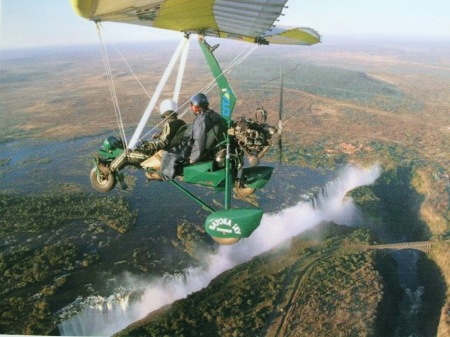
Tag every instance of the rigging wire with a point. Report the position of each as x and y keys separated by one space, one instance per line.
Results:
x=210 y=85
x=206 y=89
x=131 y=70
x=112 y=88
x=213 y=83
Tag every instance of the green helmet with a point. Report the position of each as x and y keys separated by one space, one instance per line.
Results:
x=112 y=143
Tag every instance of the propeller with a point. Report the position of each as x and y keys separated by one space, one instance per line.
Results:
x=280 y=121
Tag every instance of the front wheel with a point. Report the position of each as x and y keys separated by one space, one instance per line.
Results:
x=102 y=182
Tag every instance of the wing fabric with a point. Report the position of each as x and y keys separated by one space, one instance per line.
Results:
x=247 y=20
x=289 y=35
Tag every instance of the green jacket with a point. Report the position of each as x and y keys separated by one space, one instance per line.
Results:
x=166 y=139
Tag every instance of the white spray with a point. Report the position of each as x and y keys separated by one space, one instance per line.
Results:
x=274 y=230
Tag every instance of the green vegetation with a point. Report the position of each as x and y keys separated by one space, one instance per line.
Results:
x=36 y=160
x=191 y=239
x=40 y=213
x=352 y=306
x=5 y=162
x=34 y=272
x=349 y=85
x=43 y=270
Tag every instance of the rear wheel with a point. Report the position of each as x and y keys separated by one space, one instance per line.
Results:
x=102 y=182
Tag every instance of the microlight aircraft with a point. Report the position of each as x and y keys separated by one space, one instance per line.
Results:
x=245 y=20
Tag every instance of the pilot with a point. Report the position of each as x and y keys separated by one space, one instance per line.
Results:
x=172 y=128
x=208 y=130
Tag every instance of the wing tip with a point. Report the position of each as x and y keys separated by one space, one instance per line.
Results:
x=293 y=35
x=82 y=8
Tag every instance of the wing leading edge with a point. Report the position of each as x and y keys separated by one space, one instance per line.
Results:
x=246 y=20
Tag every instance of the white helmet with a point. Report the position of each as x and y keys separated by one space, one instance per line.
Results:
x=168 y=107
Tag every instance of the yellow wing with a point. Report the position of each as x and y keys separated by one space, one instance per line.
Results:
x=247 y=20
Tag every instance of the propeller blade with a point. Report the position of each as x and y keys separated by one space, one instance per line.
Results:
x=280 y=120
x=280 y=108
x=280 y=149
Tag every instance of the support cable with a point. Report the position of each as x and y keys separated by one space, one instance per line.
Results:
x=156 y=94
x=213 y=83
x=112 y=88
x=132 y=72
x=206 y=89
x=209 y=86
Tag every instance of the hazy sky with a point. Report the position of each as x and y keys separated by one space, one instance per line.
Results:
x=29 y=23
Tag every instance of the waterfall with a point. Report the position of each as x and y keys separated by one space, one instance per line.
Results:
x=83 y=316
x=330 y=205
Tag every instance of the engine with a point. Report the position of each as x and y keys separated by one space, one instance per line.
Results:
x=253 y=136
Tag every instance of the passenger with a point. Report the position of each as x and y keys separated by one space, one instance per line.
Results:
x=163 y=141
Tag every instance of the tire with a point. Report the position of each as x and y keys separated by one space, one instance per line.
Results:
x=100 y=182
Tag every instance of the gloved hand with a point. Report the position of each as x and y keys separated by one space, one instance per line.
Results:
x=156 y=135
x=139 y=144
x=148 y=146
